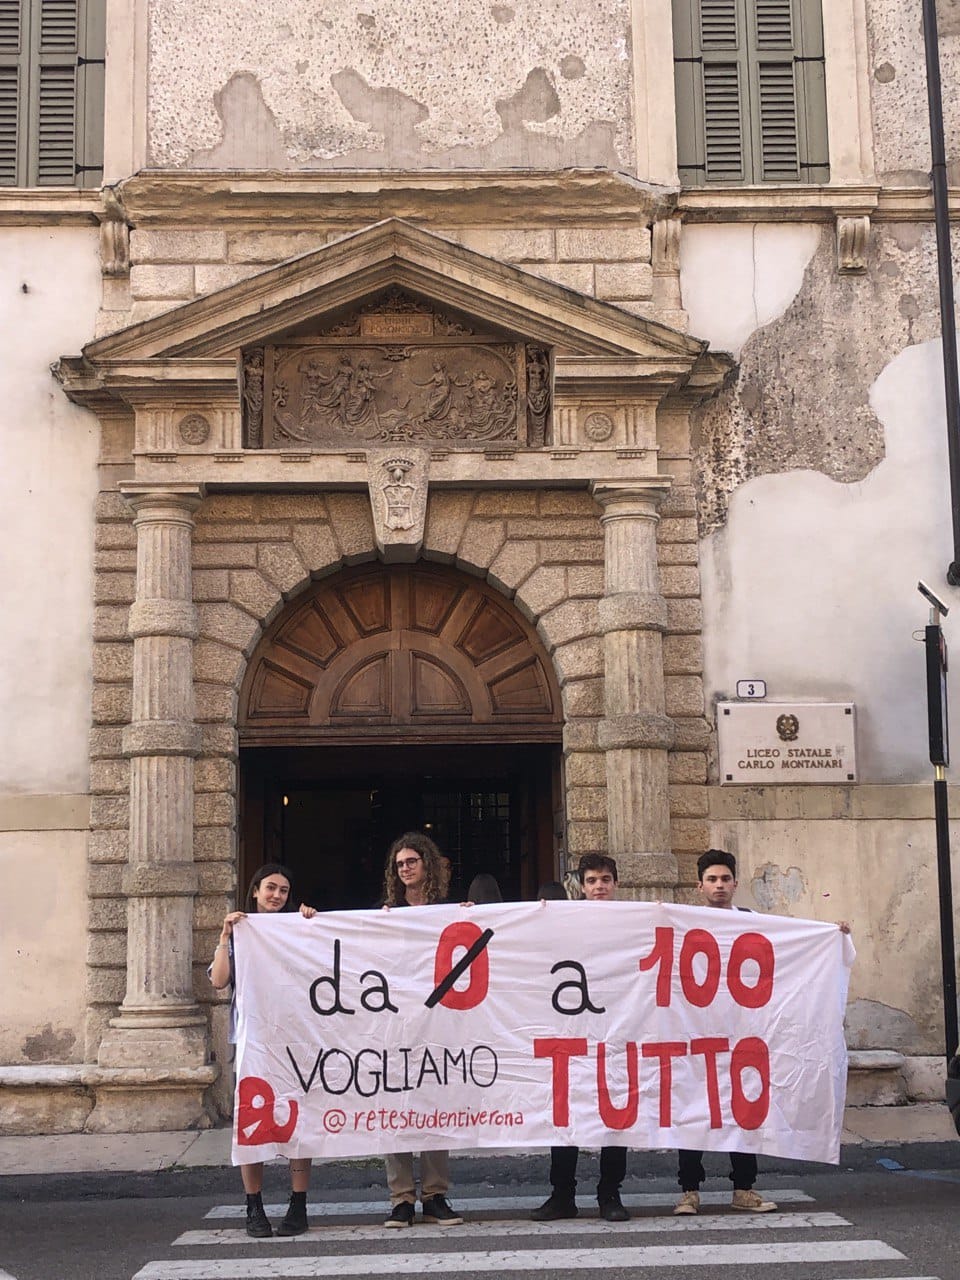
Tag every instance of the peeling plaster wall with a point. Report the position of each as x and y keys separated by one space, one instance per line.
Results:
x=898 y=89
x=812 y=584
x=881 y=876
x=801 y=395
x=389 y=83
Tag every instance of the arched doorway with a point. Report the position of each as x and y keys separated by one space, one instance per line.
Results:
x=397 y=697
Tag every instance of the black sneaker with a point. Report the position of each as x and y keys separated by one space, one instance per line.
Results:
x=612 y=1208
x=435 y=1209
x=557 y=1207
x=294 y=1221
x=258 y=1224
x=401 y=1215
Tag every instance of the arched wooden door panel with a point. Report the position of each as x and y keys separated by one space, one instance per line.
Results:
x=404 y=652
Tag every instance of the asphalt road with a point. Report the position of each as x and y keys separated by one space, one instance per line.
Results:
x=865 y=1223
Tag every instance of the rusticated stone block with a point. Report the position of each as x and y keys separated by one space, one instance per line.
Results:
x=148 y=283
x=688 y=802
x=632 y=611
x=228 y=506
x=579 y=659
x=585 y=580
x=106 y=743
x=211 y=585
x=680 y=501
x=177 y=244
x=297 y=507
x=678 y=553
x=219 y=774
x=676 y=529
x=110 y=811
x=216 y=809
x=586 y=804
x=317 y=547
x=586 y=769
x=693 y=733
x=636 y=731
x=554 y=527
x=513 y=565
x=683 y=695
x=543 y=590
x=527 y=245
x=210 y=910
x=682 y=655
x=229 y=625
x=108 y=846
x=273 y=246
x=111 y=506
x=209 y=278
x=690 y=833
x=214 y=844
x=238 y=530
x=219 y=740
x=352 y=523
x=480 y=544
x=225 y=555
x=111 y=703
x=107 y=950
x=586 y=837
x=251 y=591
x=279 y=562
x=448 y=511
x=676 y=580
x=580 y=735
x=572 y=275
x=583 y=697
x=217 y=877
x=217 y=663
x=109 y=777
x=687 y=766
x=568 y=502
x=624 y=280
x=107 y=913
x=106 y=986
x=569 y=620
x=684 y=617
x=577 y=550
x=123 y=558
x=116 y=535
x=215 y=702
x=114 y=588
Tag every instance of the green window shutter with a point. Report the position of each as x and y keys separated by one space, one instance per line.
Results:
x=751 y=103
x=51 y=92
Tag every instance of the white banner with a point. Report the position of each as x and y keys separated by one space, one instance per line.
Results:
x=568 y=1023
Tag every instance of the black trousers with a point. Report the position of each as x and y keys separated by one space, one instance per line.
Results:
x=563 y=1170
x=743 y=1170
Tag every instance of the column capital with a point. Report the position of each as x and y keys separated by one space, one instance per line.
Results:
x=182 y=499
x=630 y=498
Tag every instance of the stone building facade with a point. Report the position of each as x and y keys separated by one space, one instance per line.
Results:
x=430 y=417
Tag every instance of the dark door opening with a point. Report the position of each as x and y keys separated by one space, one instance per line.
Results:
x=330 y=814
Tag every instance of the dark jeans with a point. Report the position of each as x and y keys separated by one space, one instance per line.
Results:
x=743 y=1170
x=563 y=1170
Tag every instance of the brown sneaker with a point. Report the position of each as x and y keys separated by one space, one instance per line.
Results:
x=751 y=1202
x=689 y=1203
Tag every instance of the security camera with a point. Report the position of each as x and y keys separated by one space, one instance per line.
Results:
x=932 y=597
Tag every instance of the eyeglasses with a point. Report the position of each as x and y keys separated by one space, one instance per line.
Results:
x=407 y=863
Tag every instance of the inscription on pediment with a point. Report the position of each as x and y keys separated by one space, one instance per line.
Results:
x=396 y=372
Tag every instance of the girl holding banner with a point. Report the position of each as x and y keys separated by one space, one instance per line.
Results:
x=269 y=892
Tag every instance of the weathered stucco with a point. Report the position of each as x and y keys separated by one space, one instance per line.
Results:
x=49 y=295
x=393 y=83
x=898 y=89
x=850 y=557
x=801 y=395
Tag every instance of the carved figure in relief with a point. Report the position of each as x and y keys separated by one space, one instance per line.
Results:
x=489 y=412
x=253 y=398
x=538 y=395
x=360 y=410
x=319 y=392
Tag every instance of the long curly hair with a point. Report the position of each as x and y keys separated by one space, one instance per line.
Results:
x=437 y=876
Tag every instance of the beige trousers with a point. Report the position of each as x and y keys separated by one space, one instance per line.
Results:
x=434 y=1176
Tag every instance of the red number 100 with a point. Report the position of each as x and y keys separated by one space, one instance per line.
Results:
x=747 y=947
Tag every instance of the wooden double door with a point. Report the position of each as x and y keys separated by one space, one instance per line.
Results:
x=395 y=698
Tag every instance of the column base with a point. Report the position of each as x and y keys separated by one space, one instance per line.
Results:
x=136 y=1042
x=149 y=1101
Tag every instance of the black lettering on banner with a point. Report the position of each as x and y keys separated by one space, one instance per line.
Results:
x=375 y=1074
x=381 y=989
x=454 y=1060
x=305 y=1084
x=494 y=1066
x=334 y=985
x=578 y=985
x=428 y=1067
x=351 y=1070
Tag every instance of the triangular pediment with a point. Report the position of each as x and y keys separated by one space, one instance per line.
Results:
x=318 y=289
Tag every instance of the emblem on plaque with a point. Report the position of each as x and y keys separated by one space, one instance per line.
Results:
x=788 y=728
x=194 y=429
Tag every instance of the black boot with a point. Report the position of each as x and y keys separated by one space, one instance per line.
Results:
x=258 y=1224
x=295 y=1219
x=561 y=1204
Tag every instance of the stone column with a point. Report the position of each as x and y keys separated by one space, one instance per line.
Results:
x=635 y=733
x=154 y=1056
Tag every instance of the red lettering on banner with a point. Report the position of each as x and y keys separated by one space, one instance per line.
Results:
x=710 y=1048
x=751 y=946
x=561 y=1050
x=699 y=942
x=625 y=1116
x=751 y=1052
x=662 y=955
x=462 y=934
x=666 y=1051
x=256 y=1123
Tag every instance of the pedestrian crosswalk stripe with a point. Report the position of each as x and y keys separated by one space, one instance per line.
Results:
x=588 y=1259
x=481 y=1204
x=512 y=1229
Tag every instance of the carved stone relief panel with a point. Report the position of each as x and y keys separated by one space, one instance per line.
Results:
x=396 y=372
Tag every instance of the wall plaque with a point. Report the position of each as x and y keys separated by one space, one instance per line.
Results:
x=785 y=743
x=399 y=372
